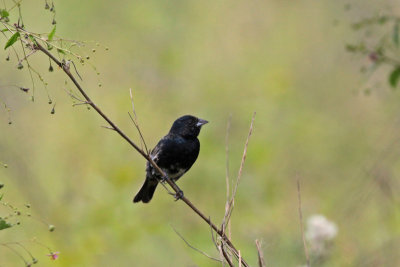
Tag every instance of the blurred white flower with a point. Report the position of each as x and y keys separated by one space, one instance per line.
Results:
x=319 y=231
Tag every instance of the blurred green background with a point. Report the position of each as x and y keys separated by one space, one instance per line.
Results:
x=283 y=59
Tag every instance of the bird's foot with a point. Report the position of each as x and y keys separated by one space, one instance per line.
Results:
x=177 y=195
x=163 y=179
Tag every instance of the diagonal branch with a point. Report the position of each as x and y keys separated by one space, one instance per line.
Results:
x=66 y=69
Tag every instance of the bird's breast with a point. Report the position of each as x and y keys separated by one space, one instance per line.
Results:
x=175 y=172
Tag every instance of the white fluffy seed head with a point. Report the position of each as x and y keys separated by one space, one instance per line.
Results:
x=319 y=232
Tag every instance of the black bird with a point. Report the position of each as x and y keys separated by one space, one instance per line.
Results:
x=175 y=153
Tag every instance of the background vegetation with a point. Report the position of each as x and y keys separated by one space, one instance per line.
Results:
x=285 y=60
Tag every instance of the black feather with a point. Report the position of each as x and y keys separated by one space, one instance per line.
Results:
x=175 y=154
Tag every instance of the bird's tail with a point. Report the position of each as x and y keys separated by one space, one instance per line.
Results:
x=146 y=193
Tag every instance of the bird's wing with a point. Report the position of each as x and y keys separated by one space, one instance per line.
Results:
x=154 y=154
x=175 y=155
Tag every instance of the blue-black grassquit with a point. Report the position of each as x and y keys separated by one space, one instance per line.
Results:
x=175 y=153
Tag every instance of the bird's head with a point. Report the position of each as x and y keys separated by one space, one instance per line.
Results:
x=187 y=126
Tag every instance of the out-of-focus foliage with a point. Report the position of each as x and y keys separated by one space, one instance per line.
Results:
x=285 y=60
x=378 y=43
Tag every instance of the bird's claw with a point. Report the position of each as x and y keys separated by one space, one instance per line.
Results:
x=178 y=195
x=163 y=179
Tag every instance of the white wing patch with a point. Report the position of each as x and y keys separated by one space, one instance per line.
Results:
x=154 y=157
x=154 y=153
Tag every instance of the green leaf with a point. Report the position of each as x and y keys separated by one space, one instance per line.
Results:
x=61 y=51
x=1 y=197
x=4 y=224
x=51 y=34
x=4 y=30
x=12 y=40
x=32 y=39
x=394 y=77
x=396 y=34
x=4 y=13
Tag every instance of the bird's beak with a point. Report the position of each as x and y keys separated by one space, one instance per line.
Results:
x=201 y=122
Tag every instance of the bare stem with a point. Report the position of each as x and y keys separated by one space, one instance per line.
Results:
x=261 y=262
x=226 y=256
x=231 y=204
x=301 y=221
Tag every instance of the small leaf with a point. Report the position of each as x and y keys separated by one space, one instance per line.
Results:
x=4 y=224
x=1 y=197
x=4 y=30
x=394 y=77
x=51 y=34
x=61 y=51
x=32 y=39
x=4 y=13
x=12 y=40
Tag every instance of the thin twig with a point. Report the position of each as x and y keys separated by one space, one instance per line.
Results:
x=15 y=5
x=166 y=188
x=73 y=96
x=76 y=70
x=226 y=256
x=261 y=262
x=223 y=225
x=26 y=57
x=15 y=251
x=301 y=221
x=22 y=246
x=41 y=79
x=221 y=255
x=194 y=248
x=228 y=128
x=228 y=213
x=78 y=104
x=219 y=248
x=136 y=123
x=227 y=226
x=108 y=127
x=244 y=155
x=142 y=142
x=51 y=44
x=29 y=68
x=212 y=236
